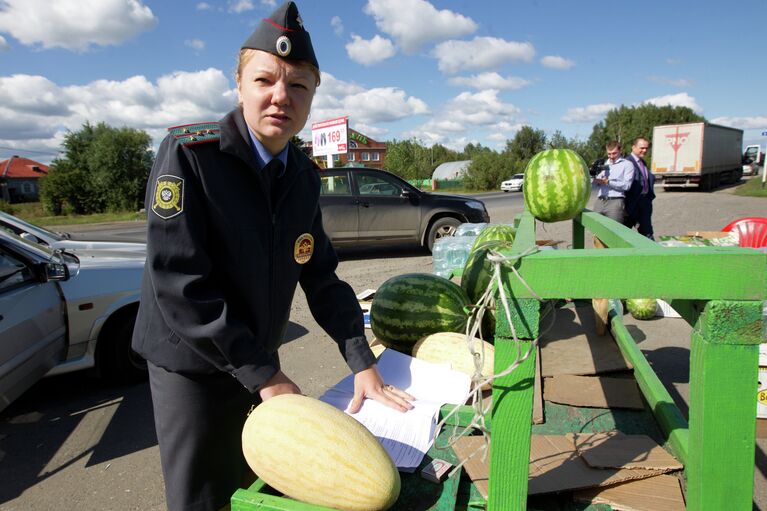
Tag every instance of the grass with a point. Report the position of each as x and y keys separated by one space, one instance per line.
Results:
x=752 y=188
x=33 y=213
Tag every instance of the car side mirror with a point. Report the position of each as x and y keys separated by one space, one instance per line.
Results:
x=51 y=271
x=406 y=193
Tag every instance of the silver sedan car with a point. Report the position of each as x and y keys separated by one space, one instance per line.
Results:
x=63 y=311
x=62 y=240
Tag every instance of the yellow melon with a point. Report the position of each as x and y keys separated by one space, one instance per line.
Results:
x=451 y=347
x=315 y=453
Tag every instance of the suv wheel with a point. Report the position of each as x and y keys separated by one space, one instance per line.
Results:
x=441 y=227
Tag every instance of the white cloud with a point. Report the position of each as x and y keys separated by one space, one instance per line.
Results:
x=480 y=53
x=588 y=113
x=678 y=82
x=369 y=52
x=681 y=99
x=239 y=6
x=490 y=80
x=203 y=6
x=269 y=3
x=758 y=122
x=383 y=104
x=38 y=109
x=74 y=24
x=4 y=46
x=557 y=62
x=481 y=108
x=337 y=24
x=413 y=23
x=337 y=98
x=373 y=132
x=195 y=44
x=461 y=119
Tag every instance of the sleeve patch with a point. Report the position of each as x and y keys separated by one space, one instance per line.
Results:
x=168 y=196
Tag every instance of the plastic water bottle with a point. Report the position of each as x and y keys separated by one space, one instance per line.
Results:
x=469 y=229
x=459 y=250
x=439 y=256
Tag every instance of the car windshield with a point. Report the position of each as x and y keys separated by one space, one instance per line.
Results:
x=518 y=176
x=17 y=226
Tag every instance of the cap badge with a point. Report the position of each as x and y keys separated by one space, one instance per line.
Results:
x=283 y=46
x=303 y=248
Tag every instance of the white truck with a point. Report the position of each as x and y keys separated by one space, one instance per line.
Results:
x=753 y=160
x=697 y=155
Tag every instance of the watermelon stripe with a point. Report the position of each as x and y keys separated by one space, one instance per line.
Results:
x=556 y=186
x=411 y=306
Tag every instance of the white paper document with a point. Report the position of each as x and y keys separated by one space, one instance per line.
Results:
x=405 y=436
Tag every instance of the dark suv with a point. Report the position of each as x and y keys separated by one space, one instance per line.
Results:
x=362 y=206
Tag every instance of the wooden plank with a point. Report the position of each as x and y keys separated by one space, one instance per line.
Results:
x=723 y=379
x=662 y=405
x=613 y=234
x=512 y=418
x=708 y=273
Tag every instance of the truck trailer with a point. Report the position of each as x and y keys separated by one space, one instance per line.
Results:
x=698 y=154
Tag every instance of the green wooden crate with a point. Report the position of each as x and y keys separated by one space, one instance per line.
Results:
x=718 y=290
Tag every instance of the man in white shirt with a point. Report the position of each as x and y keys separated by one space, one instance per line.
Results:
x=614 y=181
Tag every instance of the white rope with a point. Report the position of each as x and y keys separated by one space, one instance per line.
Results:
x=474 y=332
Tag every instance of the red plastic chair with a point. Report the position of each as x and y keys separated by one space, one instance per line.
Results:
x=752 y=231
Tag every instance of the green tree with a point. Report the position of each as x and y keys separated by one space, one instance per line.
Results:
x=624 y=124
x=487 y=170
x=526 y=143
x=103 y=168
x=409 y=159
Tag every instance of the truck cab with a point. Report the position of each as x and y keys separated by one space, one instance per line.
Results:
x=753 y=159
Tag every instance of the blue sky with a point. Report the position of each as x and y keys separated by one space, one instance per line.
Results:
x=449 y=72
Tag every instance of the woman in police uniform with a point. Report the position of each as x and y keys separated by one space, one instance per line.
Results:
x=234 y=226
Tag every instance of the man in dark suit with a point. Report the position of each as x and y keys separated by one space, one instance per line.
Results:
x=640 y=195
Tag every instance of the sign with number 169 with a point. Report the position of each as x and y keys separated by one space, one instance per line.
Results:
x=329 y=137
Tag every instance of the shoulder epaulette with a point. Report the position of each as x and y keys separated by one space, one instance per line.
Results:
x=190 y=134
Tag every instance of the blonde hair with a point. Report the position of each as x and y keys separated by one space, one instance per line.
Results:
x=247 y=53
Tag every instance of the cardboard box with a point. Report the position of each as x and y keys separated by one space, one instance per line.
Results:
x=666 y=311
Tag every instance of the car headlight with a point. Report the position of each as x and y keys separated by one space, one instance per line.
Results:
x=474 y=204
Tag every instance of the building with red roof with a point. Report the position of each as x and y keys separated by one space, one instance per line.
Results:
x=19 y=179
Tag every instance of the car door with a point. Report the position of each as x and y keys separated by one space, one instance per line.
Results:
x=340 y=217
x=32 y=325
x=385 y=213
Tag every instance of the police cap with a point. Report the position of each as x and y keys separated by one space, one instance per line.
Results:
x=283 y=34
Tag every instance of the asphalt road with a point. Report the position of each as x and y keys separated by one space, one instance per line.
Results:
x=71 y=442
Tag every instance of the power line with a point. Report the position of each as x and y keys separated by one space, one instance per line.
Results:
x=21 y=150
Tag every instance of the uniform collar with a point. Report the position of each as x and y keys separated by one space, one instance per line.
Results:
x=263 y=156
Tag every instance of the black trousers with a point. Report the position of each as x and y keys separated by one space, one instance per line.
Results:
x=199 y=420
x=642 y=217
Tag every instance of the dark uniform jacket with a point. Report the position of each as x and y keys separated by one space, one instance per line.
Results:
x=634 y=194
x=223 y=262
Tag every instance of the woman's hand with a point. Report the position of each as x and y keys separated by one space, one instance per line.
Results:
x=369 y=384
x=278 y=384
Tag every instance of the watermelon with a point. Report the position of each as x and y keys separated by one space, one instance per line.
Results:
x=556 y=185
x=411 y=306
x=317 y=454
x=478 y=271
x=642 y=308
x=495 y=232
